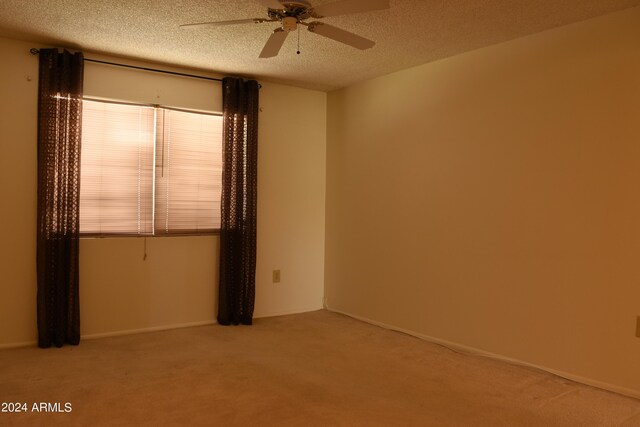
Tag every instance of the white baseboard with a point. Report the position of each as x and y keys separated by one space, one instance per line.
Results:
x=286 y=312
x=161 y=328
x=116 y=333
x=477 y=352
x=145 y=330
x=18 y=345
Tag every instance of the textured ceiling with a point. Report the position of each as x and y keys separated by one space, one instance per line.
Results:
x=412 y=32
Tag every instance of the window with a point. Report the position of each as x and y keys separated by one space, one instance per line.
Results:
x=149 y=170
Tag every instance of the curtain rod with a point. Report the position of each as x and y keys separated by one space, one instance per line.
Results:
x=35 y=51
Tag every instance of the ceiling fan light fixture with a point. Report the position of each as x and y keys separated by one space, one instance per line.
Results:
x=291 y=13
x=289 y=23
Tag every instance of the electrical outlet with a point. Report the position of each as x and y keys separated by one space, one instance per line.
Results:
x=276 y=276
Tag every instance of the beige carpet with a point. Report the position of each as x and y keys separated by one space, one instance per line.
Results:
x=317 y=368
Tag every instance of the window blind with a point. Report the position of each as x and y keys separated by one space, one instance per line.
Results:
x=188 y=172
x=116 y=180
x=147 y=170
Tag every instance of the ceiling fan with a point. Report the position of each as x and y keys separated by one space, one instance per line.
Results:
x=290 y=14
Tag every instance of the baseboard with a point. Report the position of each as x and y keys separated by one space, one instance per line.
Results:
x=18 y=345
x=286 y=312
x=145 y=330
x=159 y=328
x=185 y=325
x=477 y=352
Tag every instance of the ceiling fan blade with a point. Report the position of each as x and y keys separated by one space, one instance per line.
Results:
x=340 y=35
x=219 y=23
x=275 y=42
x=271 y=4
x=345 y=7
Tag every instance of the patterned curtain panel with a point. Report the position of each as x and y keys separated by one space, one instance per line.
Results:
x=59 y=123
x=239 y=201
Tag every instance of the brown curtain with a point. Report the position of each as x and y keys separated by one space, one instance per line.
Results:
x=59 y=123
x=239 y=201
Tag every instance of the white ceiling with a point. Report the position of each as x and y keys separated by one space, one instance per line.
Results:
x=412 y=32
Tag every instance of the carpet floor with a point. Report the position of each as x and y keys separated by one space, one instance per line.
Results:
x=311 y=369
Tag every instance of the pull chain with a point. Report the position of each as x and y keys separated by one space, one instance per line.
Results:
x=144 y=258
x=298 y=52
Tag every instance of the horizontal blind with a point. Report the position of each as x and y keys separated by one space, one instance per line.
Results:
x=188 y=172
x=116 y=181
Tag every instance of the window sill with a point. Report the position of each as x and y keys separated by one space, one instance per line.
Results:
x=123 y=235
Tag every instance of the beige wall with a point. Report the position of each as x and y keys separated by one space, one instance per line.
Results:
x=491 y=200
x=18 y=186
x=177 y=284
x=291 y=199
